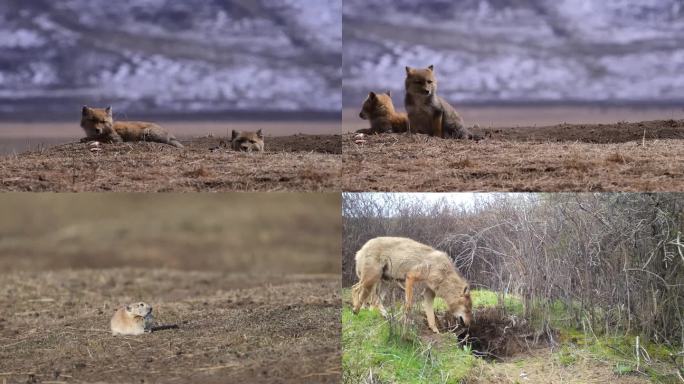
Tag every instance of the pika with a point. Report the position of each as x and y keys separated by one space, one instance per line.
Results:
x=379 y=109
x=132 y=319
x=247 y=141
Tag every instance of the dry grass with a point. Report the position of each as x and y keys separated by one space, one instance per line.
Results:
x=290 y=163
x=522 y=159
x=542 y=366
x=236 y=328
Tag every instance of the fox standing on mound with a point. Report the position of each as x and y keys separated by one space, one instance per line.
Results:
x=427 y=112
x=99 y=124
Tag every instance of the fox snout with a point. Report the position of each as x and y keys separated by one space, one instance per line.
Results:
x=362 y=115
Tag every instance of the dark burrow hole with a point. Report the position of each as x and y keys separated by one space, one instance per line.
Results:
x=495 y=335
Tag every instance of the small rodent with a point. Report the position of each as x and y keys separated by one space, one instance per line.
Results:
x=132 y=319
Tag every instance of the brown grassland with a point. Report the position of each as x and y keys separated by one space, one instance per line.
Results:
x=251 y=280
x=639 y=156
x=289 y=163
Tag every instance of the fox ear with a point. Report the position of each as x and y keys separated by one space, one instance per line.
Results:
x=408 y=70
x=234 y=134
x=389 y=93
x=431 y=68
x=108 y=110
x=372 y=95
x=128 y=308
x=466 y=290
x=260 y=134
x=84 y=110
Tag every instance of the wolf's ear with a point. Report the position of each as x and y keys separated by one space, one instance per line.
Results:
x=431 y=68
x=84 y=110
x=260 y=134
x=372 y=96
x=234 y=134
x=389 y=93
x=109 y=111
x=408 y=70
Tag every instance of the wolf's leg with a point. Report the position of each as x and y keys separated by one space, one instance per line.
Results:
x=408 y=290
x=428 y=300
x=366 y=285
x=377 y=301
x=356 y=291
x=437 y=119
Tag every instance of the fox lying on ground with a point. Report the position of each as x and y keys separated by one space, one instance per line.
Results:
x=99 y=125
x=429 y=113
x=247 y=141
x=379 y=110
x=398 y=258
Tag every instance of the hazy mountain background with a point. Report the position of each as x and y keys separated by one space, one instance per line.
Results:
x=166 y=56
x=503 y=51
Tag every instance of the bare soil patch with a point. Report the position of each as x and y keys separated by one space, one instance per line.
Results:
x=231 y=328
x=290 y=163
x=601 y=157
x=496 y=335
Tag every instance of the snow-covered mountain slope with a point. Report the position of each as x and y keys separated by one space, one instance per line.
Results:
x=170 y=56
x=518 y=51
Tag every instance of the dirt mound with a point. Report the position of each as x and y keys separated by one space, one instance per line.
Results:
x=331 y=144
x=547 y=159
x=495 y=335
x=299 y=163
x=620 y=132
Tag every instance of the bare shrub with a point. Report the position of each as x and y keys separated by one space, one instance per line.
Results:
x=612 y=262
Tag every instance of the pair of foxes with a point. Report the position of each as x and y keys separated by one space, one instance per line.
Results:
x=427 y=112
x=99 y=125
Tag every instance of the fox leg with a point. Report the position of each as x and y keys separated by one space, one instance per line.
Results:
x=437 y=120
x=428 y=300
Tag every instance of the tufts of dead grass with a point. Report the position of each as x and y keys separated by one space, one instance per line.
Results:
x=153 y=167
x=405 y=163
x=241 y=328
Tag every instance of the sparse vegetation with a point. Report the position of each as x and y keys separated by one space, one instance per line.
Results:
x=251 y=280
x=584 y=157
x=290 y=163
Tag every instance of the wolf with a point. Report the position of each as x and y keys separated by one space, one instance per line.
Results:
x=429 y=113
x=399 y=258
x=99 y=124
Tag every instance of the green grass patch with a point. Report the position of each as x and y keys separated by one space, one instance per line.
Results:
x=483 y=298
x=372 y=347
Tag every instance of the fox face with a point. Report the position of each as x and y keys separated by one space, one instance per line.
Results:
x=247 y=141
x=462 y=307
x=97 y=121
x=377 y=104
x=421 y=82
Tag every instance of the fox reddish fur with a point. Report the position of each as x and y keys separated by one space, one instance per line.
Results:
x=379 y=110
x=99 y=124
